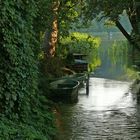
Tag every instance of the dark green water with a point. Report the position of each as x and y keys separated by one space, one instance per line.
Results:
x=111 y=111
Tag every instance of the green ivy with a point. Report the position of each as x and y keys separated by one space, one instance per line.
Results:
x=18 y=73
x=38 y=125
x=22 y=114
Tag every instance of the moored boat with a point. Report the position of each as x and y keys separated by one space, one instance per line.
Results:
x=81 y=77
x=64 y=90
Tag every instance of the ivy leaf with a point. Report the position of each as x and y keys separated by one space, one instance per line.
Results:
x=14 y=97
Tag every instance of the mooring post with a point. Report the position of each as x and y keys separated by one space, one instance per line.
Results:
x=87 y=84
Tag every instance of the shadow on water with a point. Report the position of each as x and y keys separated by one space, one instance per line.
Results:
x=110 y=112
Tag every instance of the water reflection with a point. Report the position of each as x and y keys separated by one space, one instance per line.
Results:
x=110 y=112
x=105 y=93
x=113 y=59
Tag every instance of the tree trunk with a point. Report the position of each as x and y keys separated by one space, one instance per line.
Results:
x=128 y=37
x=53 y=39
x=51 y=35
x=124 y=32
x=138 y=16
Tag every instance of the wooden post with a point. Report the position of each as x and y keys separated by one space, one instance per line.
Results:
x=87 y=84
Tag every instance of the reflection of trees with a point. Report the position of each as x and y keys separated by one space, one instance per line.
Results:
x=114 y=59
x=118 y=52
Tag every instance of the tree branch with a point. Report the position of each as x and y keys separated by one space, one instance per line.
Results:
x=128 y=36
x=124 y=32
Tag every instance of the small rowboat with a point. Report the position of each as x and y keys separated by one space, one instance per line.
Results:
x=64 y=90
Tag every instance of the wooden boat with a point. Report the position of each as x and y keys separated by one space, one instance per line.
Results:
x=64 y=90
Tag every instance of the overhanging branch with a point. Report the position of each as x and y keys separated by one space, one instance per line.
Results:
x=124 y=32
x=128 y=36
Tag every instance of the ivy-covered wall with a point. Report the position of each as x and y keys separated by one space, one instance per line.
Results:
x=24 y=113
x=18 y=71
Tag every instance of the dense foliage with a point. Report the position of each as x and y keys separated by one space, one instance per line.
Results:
x=113 y=10
x=84 y=44
x=24 y=109
x=24 y=113
x=18 y=73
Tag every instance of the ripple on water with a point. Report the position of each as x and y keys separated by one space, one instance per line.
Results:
x=108 y=113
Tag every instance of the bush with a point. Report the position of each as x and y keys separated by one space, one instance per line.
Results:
x=81 y=43
x=22 y=111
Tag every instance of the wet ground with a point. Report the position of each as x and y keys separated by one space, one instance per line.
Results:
x=110 y=112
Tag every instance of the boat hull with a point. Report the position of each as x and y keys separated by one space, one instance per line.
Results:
x=65 y=91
